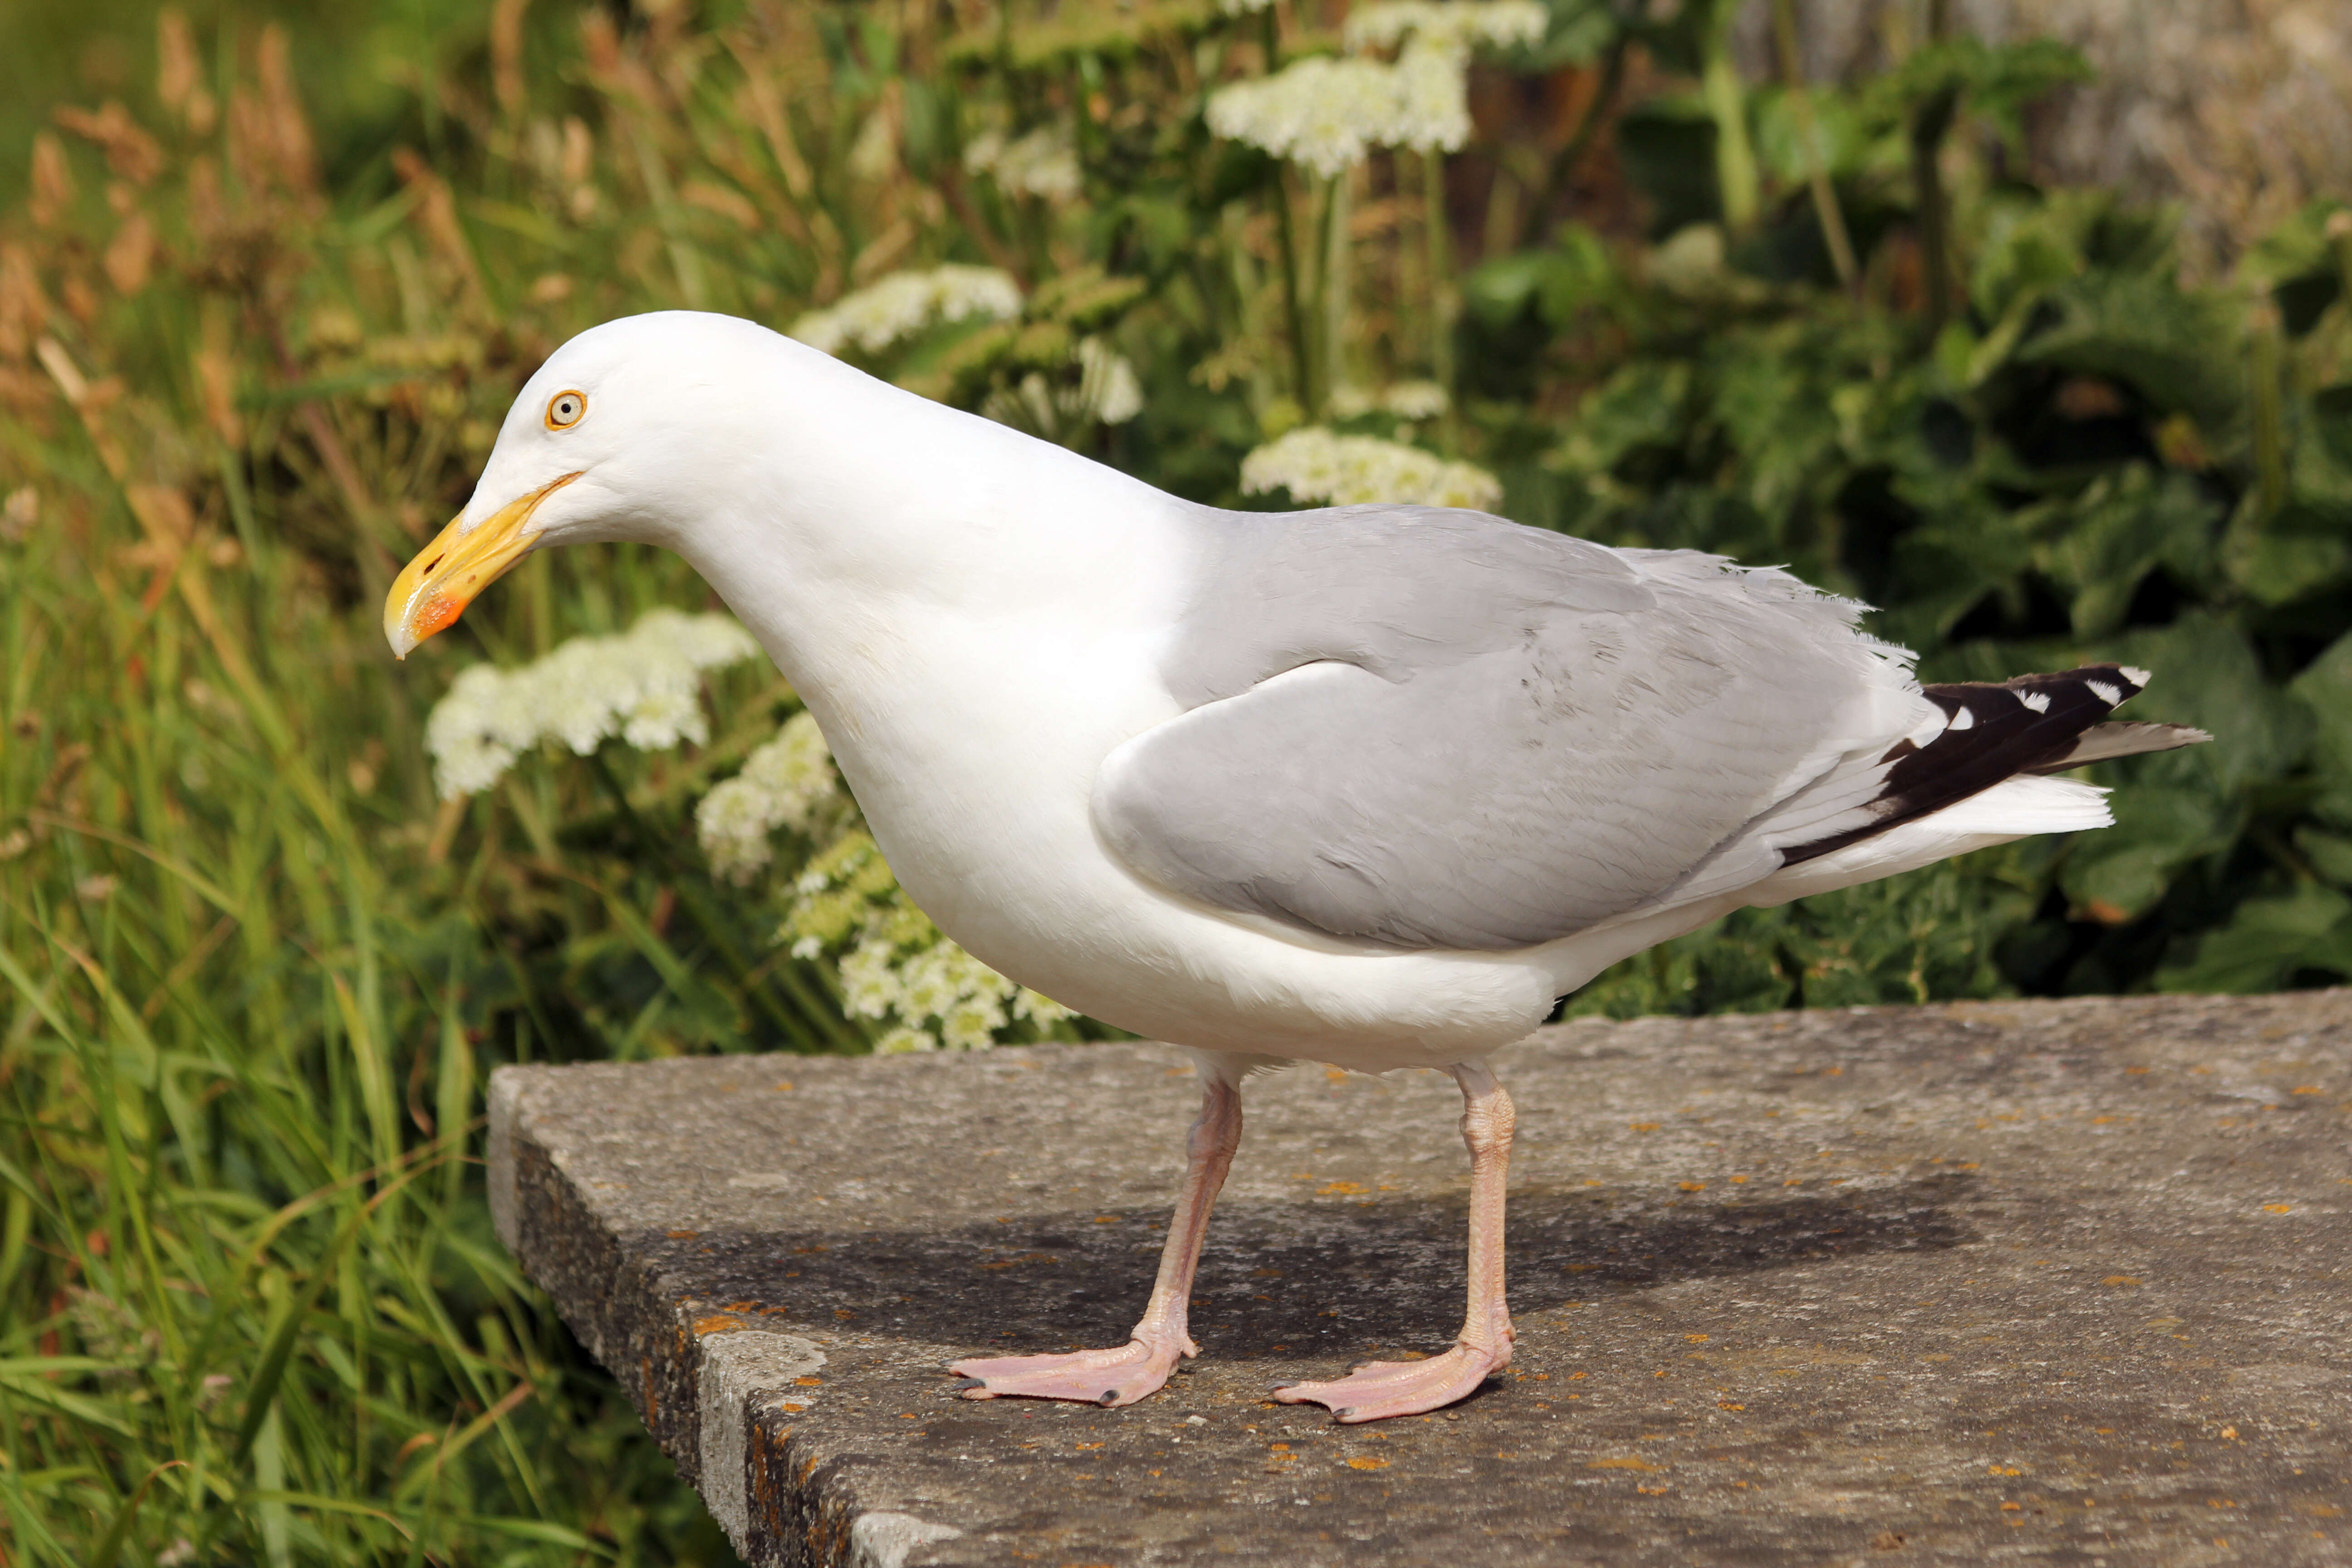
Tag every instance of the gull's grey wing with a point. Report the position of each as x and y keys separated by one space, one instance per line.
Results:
x=1438 y=728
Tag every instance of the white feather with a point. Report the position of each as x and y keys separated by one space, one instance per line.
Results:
x=2013 y=809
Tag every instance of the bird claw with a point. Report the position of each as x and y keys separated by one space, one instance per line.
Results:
x=1106 y=1377
x=1380 y=1389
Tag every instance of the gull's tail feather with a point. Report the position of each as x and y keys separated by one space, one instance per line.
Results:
x=1993 y=734
x=2101 y=742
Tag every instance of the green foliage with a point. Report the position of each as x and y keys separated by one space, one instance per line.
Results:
x=2088 y=460
x=255 y=974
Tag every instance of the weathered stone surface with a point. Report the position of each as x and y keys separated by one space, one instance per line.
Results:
x=2058 y=1282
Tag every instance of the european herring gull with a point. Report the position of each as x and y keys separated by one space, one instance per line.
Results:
x=1370 y=786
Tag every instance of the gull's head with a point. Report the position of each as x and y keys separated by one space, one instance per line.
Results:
x=630 y=431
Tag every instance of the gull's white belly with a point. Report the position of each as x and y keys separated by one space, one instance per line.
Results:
x=977 y=784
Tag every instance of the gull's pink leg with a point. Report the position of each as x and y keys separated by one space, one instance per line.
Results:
x=1384 y=1388
x=1124 y=1376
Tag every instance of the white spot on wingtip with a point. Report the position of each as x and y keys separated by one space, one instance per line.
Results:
x=1965 y=718
x=2037 y=700
x=2138 y=677
x=2103 y=692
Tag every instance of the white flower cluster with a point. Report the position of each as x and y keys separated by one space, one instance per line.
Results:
x=897 y=966
x=1405 y=399
x=641 y=685
x=874 y=152
x=1460 y=25
x=1108 y=392
x=1042 y=164
x=940 y=985
x=1315 y=465
x=784 y=783
x=1327 y=113
x=904 y=303
x=1109 y=389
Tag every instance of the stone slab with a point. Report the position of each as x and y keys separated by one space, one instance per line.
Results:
x=2049 y=1282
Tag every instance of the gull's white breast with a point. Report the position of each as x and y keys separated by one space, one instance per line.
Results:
x=973 y=737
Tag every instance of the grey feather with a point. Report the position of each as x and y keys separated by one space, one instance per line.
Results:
x=2125 y=740
x=1389 y=588
x=1435 y=728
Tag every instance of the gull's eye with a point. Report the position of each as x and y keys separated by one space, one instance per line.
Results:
x=564 y=409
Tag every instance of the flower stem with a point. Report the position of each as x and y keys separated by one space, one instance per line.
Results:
x=2266 y=378
x=1929 y=122
x=1339 y=204
x=1436 y=231
x=1734 y=157
x=1294 y=313
x=1826 y=211
x=1566 y=161
x=814 y=1018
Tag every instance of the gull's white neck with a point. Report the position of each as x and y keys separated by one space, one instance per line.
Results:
x=976 y=618
x=867 y=519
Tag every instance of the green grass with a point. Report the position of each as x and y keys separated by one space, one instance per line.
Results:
x=255 y=975
x=252 y=1297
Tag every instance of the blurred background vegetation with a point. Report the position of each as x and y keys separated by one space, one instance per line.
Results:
x=2049 y=365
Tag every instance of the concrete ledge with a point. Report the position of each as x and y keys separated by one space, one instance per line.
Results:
x=2051 y=1281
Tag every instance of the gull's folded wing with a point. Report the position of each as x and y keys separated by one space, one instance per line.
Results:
x=1435 y=728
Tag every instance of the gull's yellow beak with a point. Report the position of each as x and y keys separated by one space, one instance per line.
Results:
x=434 y=590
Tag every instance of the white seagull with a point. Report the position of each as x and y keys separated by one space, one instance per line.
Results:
x=1368 y=785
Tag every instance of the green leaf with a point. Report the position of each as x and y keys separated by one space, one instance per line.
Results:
x=1500 y=290
x=2279 y=568
x=2266 y=942
x=1843 y=139
x=2176 y=351
x=2119 y=873
x=1944 y=568
x=1641 y=405
x=1580 y=31
x=2319 y=464
x=106 y=1414
x=2027 y=249
x=2329 y=854
x=2123 y=526
x=110 y=1545
x=2207 y=674
x=1999 y=82
x=2298 y=262
x=2325 y=689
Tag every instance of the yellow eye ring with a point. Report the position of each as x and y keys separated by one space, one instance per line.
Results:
x=566 y=409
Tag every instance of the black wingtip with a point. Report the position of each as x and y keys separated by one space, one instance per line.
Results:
x=1993 y=732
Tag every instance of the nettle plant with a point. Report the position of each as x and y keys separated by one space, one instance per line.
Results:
x=834 y=901
x=2000 y=412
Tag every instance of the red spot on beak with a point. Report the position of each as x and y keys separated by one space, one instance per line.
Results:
x=437 y=614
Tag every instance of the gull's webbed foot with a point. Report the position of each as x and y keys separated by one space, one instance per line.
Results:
x=1380 y=1389
x=1107 y=1377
